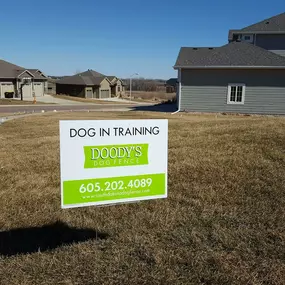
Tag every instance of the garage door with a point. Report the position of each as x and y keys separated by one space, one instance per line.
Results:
x=38 y=89
x=89 y=93
x=27 y=90
x=105 y=93
x=6 y=87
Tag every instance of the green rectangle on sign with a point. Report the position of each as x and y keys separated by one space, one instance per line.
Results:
x=113 y=188
x=115 y=155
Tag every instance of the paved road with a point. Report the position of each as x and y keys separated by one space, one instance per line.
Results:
x=48 y=108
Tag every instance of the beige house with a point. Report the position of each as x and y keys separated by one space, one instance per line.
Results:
x=19 y=82
x=117 y=86
x=90 y=84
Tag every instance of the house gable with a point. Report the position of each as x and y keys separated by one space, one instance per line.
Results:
x=25 y=74
x=105 y=84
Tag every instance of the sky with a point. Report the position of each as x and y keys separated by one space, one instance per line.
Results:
x=62 y=37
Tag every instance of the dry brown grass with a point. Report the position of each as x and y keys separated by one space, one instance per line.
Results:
x=17 y=102
x=142 y=96
x=86 y=100
x=4 y=115
x=223 y=222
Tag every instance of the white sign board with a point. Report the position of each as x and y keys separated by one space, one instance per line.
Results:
x=112 y=161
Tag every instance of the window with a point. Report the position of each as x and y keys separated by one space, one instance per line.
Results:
x=247 y=38
x=119 y=88
x=236 y=93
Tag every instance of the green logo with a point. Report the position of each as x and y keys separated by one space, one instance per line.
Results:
x=115 y=155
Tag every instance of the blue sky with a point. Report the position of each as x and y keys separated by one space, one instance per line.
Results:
x=119 y=37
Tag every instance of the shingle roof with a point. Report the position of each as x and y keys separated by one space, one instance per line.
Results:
x=235 y=54
x=276 y=23
x=111 y=77
x=80 y=79
x=273 y=24
x=74 y=80
x=36 y=73
x=92 y=73
x=89 y=77
x=10 y=70
x=171 y=81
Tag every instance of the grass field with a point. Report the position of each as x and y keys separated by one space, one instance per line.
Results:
x=150 y=96
x=17 y=102
x=223 y=222
x=86 y=100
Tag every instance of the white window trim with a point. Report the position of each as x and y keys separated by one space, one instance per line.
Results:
x=250 y=40
x=229 y=93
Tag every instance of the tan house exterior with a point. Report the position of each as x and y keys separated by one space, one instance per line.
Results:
x=117 y=86
x=88 y=84
x=18 y=82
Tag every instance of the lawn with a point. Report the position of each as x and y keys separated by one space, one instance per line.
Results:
x=142 y=96
x=223 y=222
x=16 y=102
x=87 y=100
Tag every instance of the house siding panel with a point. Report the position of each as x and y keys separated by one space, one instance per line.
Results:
x=207 y=90
x=71 y=90
x=271 y=41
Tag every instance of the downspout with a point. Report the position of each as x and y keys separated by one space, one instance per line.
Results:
x=179 y=92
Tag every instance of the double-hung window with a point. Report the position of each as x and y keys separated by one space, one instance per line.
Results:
x=236 y=93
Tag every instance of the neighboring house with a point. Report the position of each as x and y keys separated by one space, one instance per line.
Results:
x=239 y=77
x=117 y=86
x=90 y=84
x=160 y=86
x=51 y=86
x=16 y=81
x=268 y=34
x=171 y=85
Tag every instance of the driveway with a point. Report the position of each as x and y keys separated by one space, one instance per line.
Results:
x=48 y=99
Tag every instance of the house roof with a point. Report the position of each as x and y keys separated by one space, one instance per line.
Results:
x=274 y=24
x=89 y=77
x=92 y=73
x=111 y=77
x=80 y=79
x=37 y=73
x=171 y=81
x=9 y=70
x=235 y=54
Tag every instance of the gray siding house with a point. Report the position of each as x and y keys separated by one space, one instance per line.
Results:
x=268 y=34
x=247 y=75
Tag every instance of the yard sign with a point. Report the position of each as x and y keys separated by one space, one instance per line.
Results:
x=114 y=161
